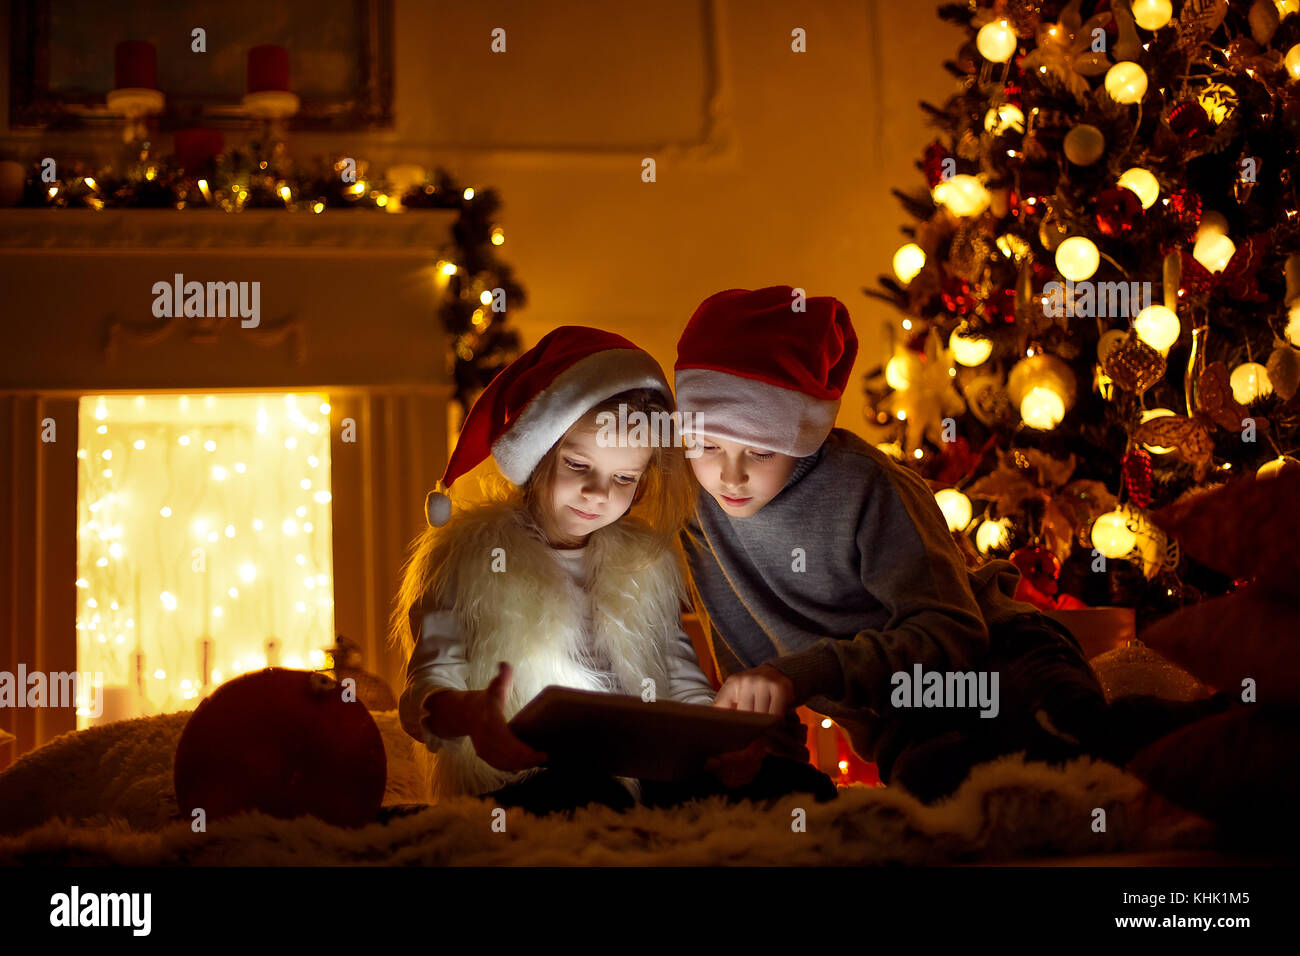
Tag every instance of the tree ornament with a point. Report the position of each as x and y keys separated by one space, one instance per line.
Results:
x=1136 y=472
x=1197 y=20
x=1052 y=232
x=1118 y=211
x=1185 y=209
x=1190 y=123
x=1158 y=327
x=1077 y=258
x=956 y=297
x=1134 y=365
x=1084 y=145
x=935 y=161
x=988 y=401
x=1191 y=438
x=1284 y=371
x=1039 y=566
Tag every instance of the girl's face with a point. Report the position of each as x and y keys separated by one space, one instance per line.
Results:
x=741 y=478
x=594 y=485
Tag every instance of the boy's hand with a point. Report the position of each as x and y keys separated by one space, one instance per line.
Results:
x=739 y=767
x=763 y=689
x=494 y=741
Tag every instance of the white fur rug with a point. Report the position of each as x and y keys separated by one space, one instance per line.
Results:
x=104 y=796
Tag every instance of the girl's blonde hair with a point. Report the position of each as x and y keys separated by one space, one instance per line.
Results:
x=664 y=501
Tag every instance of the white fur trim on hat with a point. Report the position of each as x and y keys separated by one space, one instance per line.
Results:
x=551 y=413
x=753 y=413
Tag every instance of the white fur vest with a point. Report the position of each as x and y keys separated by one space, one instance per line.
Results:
x=513 y=602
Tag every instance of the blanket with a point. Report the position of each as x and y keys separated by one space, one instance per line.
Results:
x=104 y=796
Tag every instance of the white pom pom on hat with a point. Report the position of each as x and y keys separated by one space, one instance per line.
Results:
x=534 y=400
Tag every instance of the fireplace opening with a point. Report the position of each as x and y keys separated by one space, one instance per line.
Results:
x=204 y=545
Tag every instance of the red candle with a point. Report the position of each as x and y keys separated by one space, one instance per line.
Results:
x=268 y=68
x=194 y=147
x=135 y=64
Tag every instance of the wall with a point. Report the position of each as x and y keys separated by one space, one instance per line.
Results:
x=789 y=185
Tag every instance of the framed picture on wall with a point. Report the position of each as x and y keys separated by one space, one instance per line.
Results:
x=340 y=59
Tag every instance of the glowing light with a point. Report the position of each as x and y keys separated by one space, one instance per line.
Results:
x=289 y=526
x=1142 y=183
x=1077 y=258
x=908 y=261
x=230 y=531
x=827 y=723
x=996 y=41
x=168 y=600
x=1250 y=382
x=209 y=445
x=901 y=370
x=449 y=268
x=1042 y=408
x=184 y=439
x=218 y=473
x=305 y=484
x=322 y=497
x=1158 y=327
x=969 y=350
x=160 y=674
x=1111 y=535
x=291 y=442
x=992 y=535
x=1292 y=62
x=247 y=572
x=324 y=408
x=1152 y=14
x=1213 y=250
x=1126 y=82
x=138 y=444
x=963 y=195
x=468 y=193
x=240 y=467
x=955 y=506
x=498 y=236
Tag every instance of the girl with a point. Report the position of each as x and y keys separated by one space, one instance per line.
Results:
x=549 y=582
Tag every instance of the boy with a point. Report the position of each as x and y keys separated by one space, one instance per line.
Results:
x=826 y=576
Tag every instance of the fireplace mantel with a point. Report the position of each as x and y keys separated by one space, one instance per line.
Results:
x=271 y=232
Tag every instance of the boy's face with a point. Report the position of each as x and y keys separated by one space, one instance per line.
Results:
x=594 y=484
x=741 y=478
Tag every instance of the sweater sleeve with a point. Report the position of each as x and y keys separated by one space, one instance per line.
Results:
x=437 y=663
x=687 y=681
x=912 y=567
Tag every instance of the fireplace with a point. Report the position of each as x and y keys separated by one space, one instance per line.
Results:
x=192 y=496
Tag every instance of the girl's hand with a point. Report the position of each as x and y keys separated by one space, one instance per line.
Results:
x=764 y=689
x=493 y=739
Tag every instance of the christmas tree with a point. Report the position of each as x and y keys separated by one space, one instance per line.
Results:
x=1102 y=289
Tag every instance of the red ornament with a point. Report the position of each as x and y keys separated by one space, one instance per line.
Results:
x=933 y=163
x=1039 y=566
x=1136 y=471
x=1185 y=208
x=268 y=68
x=1000 y=306
x=956 y=296
x=284 y=742
x=1190 y=122
x=1239 y=280
x=1118 y=211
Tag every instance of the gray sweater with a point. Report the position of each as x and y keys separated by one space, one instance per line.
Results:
x=846 y=576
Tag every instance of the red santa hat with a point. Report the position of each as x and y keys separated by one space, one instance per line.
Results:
x=765 y=368
x=535 y=399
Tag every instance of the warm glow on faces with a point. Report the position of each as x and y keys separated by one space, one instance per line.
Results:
x=594 y=485
x=741 y=478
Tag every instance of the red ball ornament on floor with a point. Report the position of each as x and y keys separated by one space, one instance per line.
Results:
x=284 y=742
x=1039 y=566
x=1118 y=211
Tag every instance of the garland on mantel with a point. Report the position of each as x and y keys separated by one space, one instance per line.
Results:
x=482 y=341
